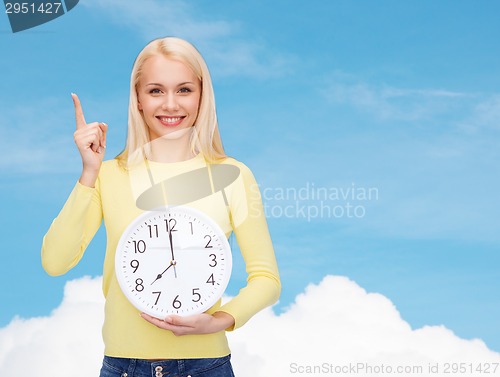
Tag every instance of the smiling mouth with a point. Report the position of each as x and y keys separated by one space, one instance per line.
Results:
x=170 y=121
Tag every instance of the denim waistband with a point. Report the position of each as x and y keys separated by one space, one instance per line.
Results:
x=124 y=367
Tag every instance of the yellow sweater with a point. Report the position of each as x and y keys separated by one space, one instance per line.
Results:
x=114 y=200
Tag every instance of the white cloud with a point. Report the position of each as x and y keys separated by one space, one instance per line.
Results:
x=154 y=18
x=31 y=138
x=337 y=322
x=38 y=138
x=436 y=179
x=217 y=39
x=486 y=114
x=392 y=103
x=67 y=343
x=333 y=324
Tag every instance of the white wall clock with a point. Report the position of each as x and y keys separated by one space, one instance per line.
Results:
x=174 y=260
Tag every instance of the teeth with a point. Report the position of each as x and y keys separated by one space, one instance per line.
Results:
x=170 y=120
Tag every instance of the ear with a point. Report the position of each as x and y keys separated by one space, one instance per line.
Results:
x=139 y=105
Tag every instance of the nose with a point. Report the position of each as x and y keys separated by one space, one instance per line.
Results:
x=170 y=103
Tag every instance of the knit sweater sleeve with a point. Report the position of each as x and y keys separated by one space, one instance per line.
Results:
x=250 y=228
x=72 y=230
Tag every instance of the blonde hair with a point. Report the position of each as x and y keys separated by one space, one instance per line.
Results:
x=205 y=137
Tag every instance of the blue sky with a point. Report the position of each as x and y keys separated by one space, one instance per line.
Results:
x=401 y=97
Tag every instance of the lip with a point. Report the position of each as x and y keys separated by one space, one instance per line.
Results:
x=170 y=121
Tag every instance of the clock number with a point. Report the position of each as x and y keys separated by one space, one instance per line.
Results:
x=139 y=246
x=196 y=294
x=211 y=280
x=208 y=246
x=153 y=231
x=176 y=303
x=158 y=297
x=134 y=264
x=214 y=257
x=191 y=224
x=171 y=223
x=139 y=287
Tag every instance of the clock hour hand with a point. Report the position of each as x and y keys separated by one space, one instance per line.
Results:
x=159 y=276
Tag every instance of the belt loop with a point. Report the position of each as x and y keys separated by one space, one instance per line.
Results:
x=180 y=364
x=131 y=367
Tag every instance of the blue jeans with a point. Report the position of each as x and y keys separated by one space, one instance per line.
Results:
x=211 y=367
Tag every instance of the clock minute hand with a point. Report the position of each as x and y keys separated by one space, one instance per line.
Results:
x=172 y=250
x=171 y=243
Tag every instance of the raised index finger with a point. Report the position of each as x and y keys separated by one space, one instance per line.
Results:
x=80 y=119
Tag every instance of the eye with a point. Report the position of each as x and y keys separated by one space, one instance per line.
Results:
x=184 y=90
x=155 y=91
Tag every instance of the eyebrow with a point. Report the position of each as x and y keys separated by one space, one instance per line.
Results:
x=158 y=84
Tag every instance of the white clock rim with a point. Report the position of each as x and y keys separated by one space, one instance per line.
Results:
x=145 y=215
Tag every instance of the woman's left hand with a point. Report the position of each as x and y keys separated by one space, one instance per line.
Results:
x=195 y=324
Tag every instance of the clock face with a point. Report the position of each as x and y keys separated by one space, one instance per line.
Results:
x=174 y=260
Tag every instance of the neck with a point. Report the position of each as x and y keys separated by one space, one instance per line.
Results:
x=166 y=149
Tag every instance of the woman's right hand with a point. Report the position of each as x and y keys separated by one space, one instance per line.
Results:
x=91 y=142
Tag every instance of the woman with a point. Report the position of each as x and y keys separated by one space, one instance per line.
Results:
x=172 y=131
